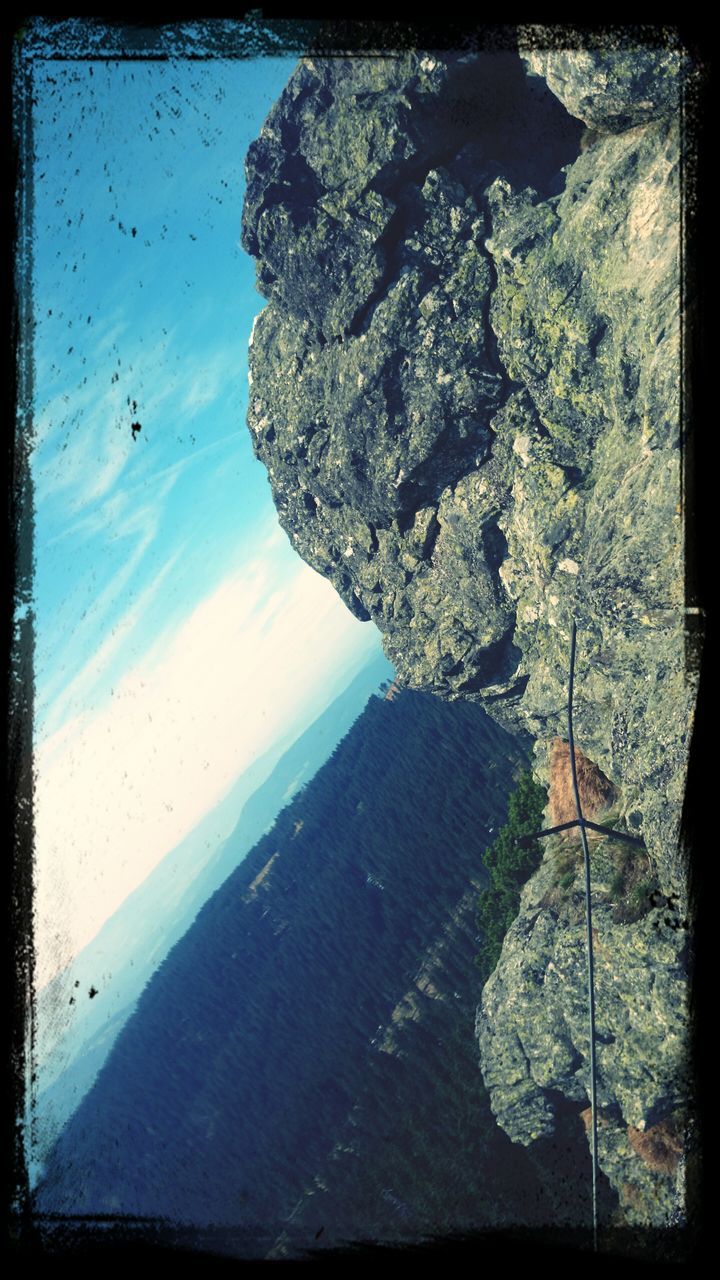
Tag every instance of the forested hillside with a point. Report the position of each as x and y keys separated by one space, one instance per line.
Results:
x=326 y=989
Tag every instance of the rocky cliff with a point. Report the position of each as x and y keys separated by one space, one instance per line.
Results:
x=466 y=389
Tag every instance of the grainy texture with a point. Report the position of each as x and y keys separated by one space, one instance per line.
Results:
x=466 y=391
x=532 y=1024
x=612 y=88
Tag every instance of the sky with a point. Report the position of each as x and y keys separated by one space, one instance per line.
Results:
x=178 y=634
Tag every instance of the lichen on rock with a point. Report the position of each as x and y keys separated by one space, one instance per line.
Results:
x=532 y=1024
x=466 y=388
x=378 y=393
x=609 y=88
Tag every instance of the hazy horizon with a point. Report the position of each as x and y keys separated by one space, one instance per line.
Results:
x=178 y=635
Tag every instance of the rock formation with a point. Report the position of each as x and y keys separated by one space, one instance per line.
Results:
x=532 y=1025
x=466 y=389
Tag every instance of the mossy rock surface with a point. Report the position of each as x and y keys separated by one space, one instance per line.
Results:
x=532 y=1024
x=466 y=386
x=466 y=391
x=612 y=88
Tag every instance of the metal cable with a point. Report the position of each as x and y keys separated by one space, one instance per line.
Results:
x=588 y=916
x=526 y=841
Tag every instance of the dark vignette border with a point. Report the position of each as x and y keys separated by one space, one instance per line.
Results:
x=263 y=33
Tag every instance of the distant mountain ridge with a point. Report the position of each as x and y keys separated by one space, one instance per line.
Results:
x=343 y=940
x=130 y=946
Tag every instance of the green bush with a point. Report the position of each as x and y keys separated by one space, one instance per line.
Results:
x=617 y=884
x=510 y=864
x=640 y=897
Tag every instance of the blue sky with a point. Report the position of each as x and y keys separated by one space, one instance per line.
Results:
x=177 y=633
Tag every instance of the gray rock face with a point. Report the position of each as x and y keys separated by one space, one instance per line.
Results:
x=376 y=380
x=533 y=1029
x=586 y=311
x=612 y=89
x=466 y=391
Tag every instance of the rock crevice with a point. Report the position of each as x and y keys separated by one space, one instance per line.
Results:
x=466 y=391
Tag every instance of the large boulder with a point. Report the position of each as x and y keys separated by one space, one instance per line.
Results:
x=466 y=388
x=612 y=89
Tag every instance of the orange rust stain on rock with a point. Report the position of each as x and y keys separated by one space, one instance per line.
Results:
x=659 y=1147
x=597 y=792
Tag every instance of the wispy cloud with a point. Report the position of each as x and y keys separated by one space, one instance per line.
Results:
x=211 y=381
x=68 y=699
x=159 y=483
x=137 y=526
x=117 y=790
x=93 y=453
x=83 y=443
x=108 y=332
